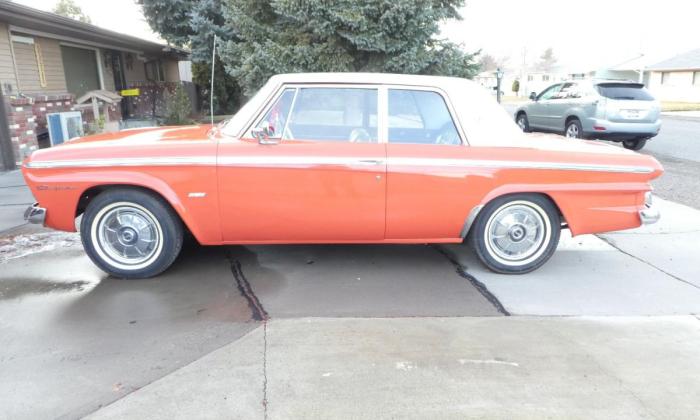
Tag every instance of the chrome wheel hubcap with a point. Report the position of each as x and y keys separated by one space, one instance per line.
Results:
x=517 y=233
x=572 y=131
x=129 y=235
x=521 y=123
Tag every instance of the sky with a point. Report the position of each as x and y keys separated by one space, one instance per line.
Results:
x=584 y=35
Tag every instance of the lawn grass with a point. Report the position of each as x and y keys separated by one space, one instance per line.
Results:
x=667 y=106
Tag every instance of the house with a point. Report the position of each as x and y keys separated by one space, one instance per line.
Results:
x=676 y=79
x=47 y=61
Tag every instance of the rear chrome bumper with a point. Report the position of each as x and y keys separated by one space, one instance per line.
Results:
x=650 y=214
x=35 y=214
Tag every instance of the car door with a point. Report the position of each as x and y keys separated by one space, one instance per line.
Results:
x=539 y=111
x=319 y=177
x=426 y=200
x=558 y=104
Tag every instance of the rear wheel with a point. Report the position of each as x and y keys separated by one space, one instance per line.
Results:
x=516 y=234
x=523 y=122
x=131 y=233
x=573 y=129
x=634 y=144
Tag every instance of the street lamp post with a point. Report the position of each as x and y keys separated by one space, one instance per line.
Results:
x=499 y=77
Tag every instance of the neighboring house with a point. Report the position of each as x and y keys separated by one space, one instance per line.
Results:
x=633 y=69
x=677 y=79
x=530 y=81
x=47 y=60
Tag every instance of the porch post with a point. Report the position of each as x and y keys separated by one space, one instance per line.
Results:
x=7 y=155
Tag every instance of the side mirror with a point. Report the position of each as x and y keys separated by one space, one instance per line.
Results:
x=533 y=96
x=264 y=132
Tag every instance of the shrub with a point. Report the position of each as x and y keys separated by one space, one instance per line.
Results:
x=178 y=108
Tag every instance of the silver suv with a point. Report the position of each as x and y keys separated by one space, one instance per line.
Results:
x=603 y=109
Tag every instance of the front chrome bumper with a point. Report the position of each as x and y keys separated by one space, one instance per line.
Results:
x=650 y=214
x=35 y=214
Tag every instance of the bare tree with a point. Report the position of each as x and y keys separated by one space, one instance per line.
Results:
x=490 y=63
x=69 y=9
x=547 y=60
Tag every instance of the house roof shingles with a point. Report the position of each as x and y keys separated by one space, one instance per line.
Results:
x=686 y=61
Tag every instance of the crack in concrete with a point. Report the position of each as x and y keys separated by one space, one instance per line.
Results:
x=258 y=312
x=479 y=286
x=264 y=400
x=612 y=244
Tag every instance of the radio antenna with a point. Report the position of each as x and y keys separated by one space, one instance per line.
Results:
x=211 y=91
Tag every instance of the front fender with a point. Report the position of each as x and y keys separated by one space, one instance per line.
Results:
x=60 y=191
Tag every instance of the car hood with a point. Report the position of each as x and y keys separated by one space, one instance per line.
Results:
x=130 y=143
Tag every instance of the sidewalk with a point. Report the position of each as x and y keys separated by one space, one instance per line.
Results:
x=446 y=368
x=14 y=199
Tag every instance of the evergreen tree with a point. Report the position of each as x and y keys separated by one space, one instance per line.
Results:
x=192 y=24
x=279 y=36
x=260 y=38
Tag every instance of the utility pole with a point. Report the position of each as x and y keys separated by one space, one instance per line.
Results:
x=499 y=77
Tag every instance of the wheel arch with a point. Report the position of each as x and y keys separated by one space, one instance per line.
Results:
x=476 y=210
x=160 y=190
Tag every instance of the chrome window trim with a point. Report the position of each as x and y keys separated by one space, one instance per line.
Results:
x=260 y=160
x=445 y=97
x=296 y=86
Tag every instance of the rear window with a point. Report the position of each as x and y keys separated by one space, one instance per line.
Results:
x=624 y=91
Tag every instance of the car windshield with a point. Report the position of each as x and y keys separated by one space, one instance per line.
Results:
x=624 y=91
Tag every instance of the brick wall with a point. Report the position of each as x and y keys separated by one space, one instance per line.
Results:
x=27 y=119
x=21 y=121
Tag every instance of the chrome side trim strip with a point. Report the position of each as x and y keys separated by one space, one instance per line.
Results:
x=277 y=161
x=305 y=161
x=96 y=163
x=509 y=164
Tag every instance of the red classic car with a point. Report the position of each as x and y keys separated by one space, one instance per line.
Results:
x=340 y=158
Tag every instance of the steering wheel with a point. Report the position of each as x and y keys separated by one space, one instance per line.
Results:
x=359 y=135
x=448 y=135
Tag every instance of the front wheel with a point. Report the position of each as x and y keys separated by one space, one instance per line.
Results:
x=131 y=233
x=516 y=234
x=634 y=144
x=523 y=122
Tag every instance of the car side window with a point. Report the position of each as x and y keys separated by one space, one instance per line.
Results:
x=549 y=93
x=334 y=115
x=568 y=90
x=420 y=117
x=276 y=118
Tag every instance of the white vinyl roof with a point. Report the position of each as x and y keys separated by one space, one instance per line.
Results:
x=483 y=120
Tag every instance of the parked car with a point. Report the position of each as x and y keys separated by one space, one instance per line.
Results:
x=603 y=109
x=340 y=158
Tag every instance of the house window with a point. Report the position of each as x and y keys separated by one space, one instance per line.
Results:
x=696 y=78
x=80 y=67
x=545 y=78
x=530 y=78
x=30 y=63
x=665 y=77
x=154 y=71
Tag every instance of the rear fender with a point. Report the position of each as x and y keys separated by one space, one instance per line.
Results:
x=588 y=208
